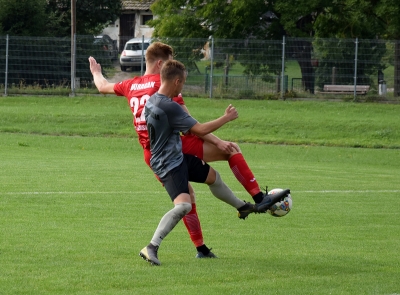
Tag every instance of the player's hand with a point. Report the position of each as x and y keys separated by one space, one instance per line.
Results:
x=231 y=113
x=228 y=147
x=94 y=66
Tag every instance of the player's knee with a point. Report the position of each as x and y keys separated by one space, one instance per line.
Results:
x=192 y=193
x=184 y=208
x=193 y=197
x=237 y=148
x=211 y=177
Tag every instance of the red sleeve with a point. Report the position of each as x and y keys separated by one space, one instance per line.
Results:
x=121 y=88
x=179 y=99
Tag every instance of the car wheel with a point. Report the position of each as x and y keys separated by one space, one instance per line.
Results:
x=123 y=68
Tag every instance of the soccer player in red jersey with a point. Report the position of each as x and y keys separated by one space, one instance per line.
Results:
x=209 y=148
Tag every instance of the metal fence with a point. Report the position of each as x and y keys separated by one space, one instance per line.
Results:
x=217 y=67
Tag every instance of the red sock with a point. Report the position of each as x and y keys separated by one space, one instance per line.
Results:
x=192 y=223
x=243 y=174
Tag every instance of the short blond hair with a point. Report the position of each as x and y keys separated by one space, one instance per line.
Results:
x=172 y=69
x=158 y=51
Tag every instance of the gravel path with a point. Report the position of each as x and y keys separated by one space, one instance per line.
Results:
x=120 y=75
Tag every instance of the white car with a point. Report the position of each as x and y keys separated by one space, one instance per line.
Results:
x=134 y=53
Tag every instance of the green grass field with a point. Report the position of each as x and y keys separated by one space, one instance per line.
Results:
x=77 y=202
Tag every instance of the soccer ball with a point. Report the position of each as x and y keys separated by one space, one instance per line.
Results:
x=281 y=208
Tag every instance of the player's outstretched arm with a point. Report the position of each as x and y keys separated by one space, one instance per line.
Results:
x=101 y=83
x=224 y=146
x=205 y=128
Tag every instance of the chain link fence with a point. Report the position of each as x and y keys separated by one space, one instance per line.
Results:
x=218 y=68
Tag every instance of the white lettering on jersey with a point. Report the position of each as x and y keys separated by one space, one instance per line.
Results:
x=141 y=127
x=138 y=105
x=142 y=86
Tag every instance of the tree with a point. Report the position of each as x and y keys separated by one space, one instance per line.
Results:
x=53 y=17
x=342 y=22
x=49 y=59
x=240 y=20
x=368 y=20
x=270 y=20
x=91 y=16
x=248 y=20
x=27 y=21
x=387 y=12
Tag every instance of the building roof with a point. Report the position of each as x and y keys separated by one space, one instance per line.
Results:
x=136 y=5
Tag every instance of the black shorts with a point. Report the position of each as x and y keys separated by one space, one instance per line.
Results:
x=191 y=169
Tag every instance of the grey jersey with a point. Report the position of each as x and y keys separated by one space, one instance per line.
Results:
x=165 y=119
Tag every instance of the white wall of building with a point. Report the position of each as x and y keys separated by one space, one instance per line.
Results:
x=141 y=30
x=112 y=30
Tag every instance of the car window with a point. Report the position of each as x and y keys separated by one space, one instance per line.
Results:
x=133 y=46
x=136 y=46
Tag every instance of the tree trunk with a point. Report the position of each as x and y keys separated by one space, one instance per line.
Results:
x=307 y=74
x=396 y=91
x=301 y=51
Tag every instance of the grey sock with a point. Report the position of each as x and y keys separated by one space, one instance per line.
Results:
x=220 y=190
x=169 y=221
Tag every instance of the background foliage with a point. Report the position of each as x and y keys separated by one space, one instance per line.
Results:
x=53 y=17
x=261 y=20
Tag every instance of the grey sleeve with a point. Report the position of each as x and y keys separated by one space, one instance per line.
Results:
x=178 y=118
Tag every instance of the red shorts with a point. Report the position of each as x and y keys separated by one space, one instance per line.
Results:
x=192 y=145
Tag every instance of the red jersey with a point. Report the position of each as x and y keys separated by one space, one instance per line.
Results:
x=137 y=91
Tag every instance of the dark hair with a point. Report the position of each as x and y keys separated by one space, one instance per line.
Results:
x=172 y=69
x=158 y=50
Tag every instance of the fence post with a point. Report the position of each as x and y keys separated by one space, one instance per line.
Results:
x=206 y=80
x=333 y=76
x=355 y=71
x=141 y=62
x=283 y=67
x=73 y=66
x=211 y=67
x=226 y=71
x=6 y=72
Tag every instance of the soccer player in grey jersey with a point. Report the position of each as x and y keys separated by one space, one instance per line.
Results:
x=165 y=120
